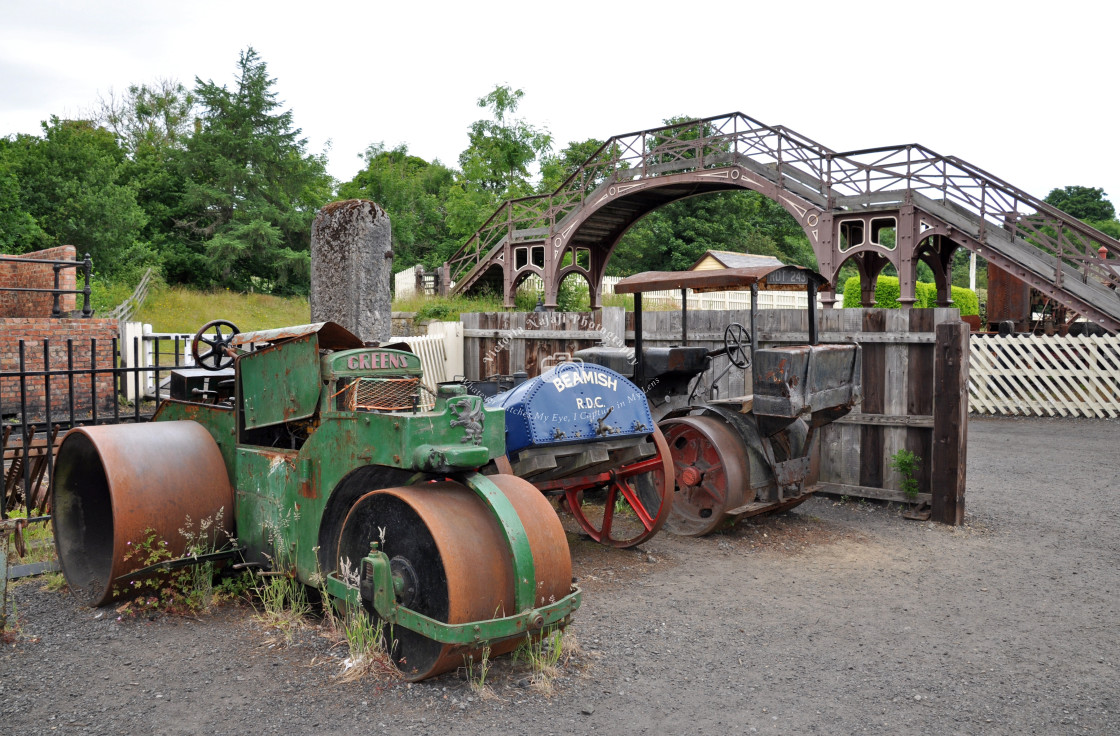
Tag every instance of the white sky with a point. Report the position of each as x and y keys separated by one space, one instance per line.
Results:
x=1025 y=91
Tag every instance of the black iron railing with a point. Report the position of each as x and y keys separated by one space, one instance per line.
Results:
x=40 y=400
x=85 y=266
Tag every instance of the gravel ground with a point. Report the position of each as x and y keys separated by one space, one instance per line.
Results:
x=836 y=618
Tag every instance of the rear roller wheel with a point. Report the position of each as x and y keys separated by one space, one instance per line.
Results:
x=452 y=560
x=709 y=465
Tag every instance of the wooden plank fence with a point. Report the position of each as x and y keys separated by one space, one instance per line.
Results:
x=1045 y=376
x=124 y=311
x=500 y=343
x=915 y=377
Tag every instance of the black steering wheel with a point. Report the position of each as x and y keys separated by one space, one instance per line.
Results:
x=737 y=342
x=217 y=335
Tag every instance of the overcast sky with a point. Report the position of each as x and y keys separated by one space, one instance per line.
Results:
x=1024 y=91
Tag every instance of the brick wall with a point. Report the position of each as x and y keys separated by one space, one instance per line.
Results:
x=33 y=331
x=37 y=276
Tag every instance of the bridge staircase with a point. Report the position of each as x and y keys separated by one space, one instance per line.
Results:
x=630 y=175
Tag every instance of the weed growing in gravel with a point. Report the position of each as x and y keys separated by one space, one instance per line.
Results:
x=365 y=635
x=150 y=593
x=54 y=582
x=197 y=581
x=544 y=655
x=190 y=588
x=368 y=646
x=477 y=672
x=283 y=599
x=906 y=464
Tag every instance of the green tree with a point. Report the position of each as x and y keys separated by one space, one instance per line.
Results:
x=157 y=115
x=251 y=189
x=19 y=232
x=71 y=188
x=555 y=169
x=1084 y=203
x=676 y=235
x=503 y=148
x=153 y=123
x=414 y=193
x=1110 y=228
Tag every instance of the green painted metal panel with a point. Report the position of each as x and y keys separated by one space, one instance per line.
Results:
x=268 y=520
x=280 y=383
x=371 y=362
x=377 y=588
x=524 y=571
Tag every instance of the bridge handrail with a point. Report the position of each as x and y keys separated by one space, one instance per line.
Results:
x=838 y=175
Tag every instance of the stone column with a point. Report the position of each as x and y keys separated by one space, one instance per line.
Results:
x=351 y=266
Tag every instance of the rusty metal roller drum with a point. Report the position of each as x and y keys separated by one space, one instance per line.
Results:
x=712 y=473
x=451 y=561
x=112 y=483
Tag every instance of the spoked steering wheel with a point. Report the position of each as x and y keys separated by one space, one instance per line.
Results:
x=216 y=336
x=737 y=343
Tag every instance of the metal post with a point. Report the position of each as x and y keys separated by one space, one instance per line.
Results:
x=136 y=379
x=754 y=324
x=24 y=429
x=684 y=316
x=4 y=532
x=638 y=363
x=56 y=309
x=155 y=356
x=87 y=271
x=70 y=378
x=812 y=312
x=117 y=366
x=48 y=437
x=93 y=379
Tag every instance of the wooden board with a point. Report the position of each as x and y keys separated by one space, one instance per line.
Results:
x=899 y=409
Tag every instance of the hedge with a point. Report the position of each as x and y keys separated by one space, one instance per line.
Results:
x=925 y=294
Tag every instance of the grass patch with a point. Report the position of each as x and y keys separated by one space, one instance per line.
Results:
x=179 y=309
x=54 y=582
x=448 y=308
x=367 y=644
x=546 y=655
x=38 y=541
x=477 y=672
x=190 y=589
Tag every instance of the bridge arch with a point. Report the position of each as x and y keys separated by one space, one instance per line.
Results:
x=615 y=207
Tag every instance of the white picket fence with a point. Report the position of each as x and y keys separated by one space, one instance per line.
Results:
x=404 y=283
x=1044 y=376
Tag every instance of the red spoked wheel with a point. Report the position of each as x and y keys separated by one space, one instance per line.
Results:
x=710 y=469
x=625 y=506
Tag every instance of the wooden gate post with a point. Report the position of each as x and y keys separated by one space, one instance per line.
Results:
x=950 y=422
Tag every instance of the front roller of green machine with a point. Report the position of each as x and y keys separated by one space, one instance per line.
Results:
x=456 y=566
x=109 y=493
